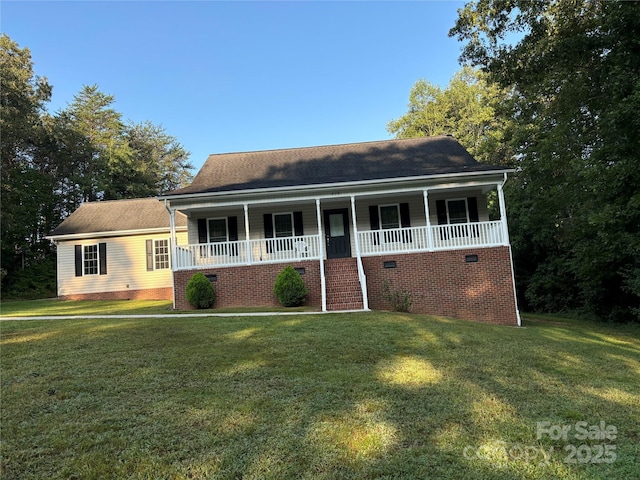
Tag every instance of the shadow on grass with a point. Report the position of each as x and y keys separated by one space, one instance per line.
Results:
x=368 y=395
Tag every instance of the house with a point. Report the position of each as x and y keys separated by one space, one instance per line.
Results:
x=117 y=250
x=412 y=214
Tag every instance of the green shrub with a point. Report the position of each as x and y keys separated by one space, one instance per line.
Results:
x=400 y=300
x=290 y=288
x=200 y=292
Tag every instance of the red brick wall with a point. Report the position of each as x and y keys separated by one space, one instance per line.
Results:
x=249 y=285
x=444 y=284
x=165 y=293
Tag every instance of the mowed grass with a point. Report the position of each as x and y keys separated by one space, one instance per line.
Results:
x=370 y=395
x=55 y=307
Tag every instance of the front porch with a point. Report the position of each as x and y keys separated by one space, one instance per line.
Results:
x=309 y=247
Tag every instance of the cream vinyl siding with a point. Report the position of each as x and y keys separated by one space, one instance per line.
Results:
x=126 y=265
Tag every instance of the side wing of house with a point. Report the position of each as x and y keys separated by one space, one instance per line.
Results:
x=118 y=267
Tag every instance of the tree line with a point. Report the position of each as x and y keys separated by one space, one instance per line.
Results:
x=51 y=163
x=559 y=105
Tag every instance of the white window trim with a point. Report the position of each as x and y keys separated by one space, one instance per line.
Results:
x=293 y=227
x=466 y=210
x=156 y=255
x=226 y=227
x=397 y=206
x=84 y=259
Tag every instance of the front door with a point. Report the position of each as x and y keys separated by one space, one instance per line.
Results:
x=336 y=229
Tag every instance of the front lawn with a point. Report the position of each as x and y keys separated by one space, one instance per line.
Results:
x=370 y=395
x=55 y=307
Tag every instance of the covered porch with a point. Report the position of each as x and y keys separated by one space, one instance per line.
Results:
x=342 y=224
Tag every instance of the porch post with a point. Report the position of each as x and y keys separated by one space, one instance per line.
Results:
x=323 y=285
x=172 y=226
x=503 y=213
x=361 y=276
x=425 y=195
x=246 y=232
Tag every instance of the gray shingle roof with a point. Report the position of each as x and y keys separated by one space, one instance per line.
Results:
x=352 y=162
x=117 y=215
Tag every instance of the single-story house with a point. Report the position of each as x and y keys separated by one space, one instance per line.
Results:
x=417 y=215
x=118 y=250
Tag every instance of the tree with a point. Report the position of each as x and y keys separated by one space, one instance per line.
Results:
x=466 y=109
x=26 y=188
x=159 y=162
x=53 y=163
x=574 y=71
x=90 y=144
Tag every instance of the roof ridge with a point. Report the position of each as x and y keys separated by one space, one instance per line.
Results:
x=308 y=147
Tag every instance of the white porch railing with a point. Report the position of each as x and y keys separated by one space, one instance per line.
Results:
x=307 y=247
x=440 y=237
x=243 y=252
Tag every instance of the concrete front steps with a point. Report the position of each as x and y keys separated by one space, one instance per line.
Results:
x=343 y=287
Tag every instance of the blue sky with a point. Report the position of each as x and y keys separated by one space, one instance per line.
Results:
x=239 y=76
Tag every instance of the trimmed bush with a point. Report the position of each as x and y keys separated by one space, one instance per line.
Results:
x=290 y=288
x=200 y=292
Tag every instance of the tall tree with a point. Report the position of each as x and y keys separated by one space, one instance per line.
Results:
x=91 y=141
x=159 y=163
x=26 y=187
x=574 y=69
x=466 y=109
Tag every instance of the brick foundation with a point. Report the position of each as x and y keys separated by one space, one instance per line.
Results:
x=165 y=293
x=249 y=285
x=440 y=283
x=445 y=284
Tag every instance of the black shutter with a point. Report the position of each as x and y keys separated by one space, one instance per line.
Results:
x=102 y=255
x=232 y=224
x=202 y=230
x=268 y=230
x=441 y=208
x=298 y=229
x=405 y=221
x=374 y=220
x=472 y=203
x=79 y=260
x=149 y=255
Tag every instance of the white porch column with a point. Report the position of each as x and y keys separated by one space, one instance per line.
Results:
x=361 y=276
x=425 y=195
x=246 y=232
x=503 y=213
x=323 y=285
x=174 y=249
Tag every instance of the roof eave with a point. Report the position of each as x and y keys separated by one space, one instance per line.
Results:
x=324 y=186
x=114 y=233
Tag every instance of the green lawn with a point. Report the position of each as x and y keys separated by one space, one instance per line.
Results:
x=51 y=307
x=370 y=395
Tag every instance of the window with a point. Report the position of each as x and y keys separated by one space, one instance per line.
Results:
x=158 y=254
x=283 y=224
x=389 y=216
x=457 y=210
x=218 y=230
x=386 y=217
x=161 y=254
x=218 y=234
x=90 y=259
